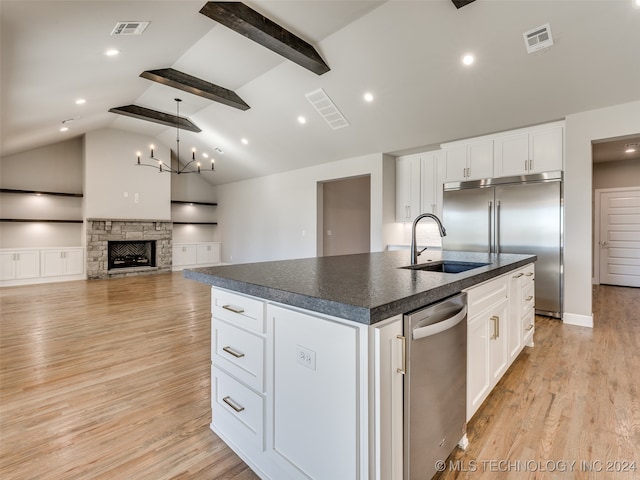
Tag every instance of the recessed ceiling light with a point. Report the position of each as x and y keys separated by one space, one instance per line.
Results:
x=468 y=59
x=81 y=101
x=245 y=141
x=302 y=120
x=64 y=129
x=112 y=52
x=205 y=155
x=368 y=97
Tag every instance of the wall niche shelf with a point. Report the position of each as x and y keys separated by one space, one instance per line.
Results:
x=183 y=202
x=38 y=220
x=40 y=192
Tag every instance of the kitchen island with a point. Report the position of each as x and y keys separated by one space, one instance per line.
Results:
x=305 y=354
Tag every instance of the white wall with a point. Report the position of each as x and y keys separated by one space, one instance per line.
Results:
x=112 y=178
x=580 y=130
x=621 y=173
x=274 y=217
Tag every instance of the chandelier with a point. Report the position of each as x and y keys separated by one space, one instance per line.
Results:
x=188 y=167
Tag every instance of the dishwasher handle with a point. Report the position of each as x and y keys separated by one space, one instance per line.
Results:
x=436 y=328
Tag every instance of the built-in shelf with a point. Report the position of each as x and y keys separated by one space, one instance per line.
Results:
x=38 y=220
x=194 y=203
x=40 y=192
x=195 y=223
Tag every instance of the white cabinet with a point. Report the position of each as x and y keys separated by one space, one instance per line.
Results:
x=417 y=186
x=195 y=254
x=535 y=150
x=469 y=160
x=408 y=177
x=62 y=262
x=19 y=264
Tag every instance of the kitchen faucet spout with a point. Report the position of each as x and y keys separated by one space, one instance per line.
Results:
x=414 y=248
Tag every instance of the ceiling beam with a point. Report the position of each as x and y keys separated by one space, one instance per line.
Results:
x=251 y=24
x=155 y=116
x=202 y=88
x=461 y=3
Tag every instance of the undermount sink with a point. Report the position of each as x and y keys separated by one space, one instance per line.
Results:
x=446 y=266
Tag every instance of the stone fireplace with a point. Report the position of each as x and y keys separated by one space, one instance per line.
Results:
x=124 y=248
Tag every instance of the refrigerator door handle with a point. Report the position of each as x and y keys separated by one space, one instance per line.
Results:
x=489 y=225
x=498 y=226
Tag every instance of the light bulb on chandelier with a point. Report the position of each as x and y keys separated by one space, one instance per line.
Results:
x=164 y=167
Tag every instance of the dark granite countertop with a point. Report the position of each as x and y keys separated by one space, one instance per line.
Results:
x=365 y=288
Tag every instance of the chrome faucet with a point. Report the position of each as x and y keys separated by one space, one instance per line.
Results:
x=414 y=248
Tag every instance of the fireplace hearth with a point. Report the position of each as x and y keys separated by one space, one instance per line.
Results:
x=131 y=254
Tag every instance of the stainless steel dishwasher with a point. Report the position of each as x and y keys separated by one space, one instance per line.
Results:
x=434 y=385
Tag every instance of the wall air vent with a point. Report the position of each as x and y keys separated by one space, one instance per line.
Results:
x=538 y=38
x=327 y=109
x=129 y=28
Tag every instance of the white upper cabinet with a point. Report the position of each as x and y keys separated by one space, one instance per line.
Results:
x=535 y=150
x=417 y=185
x=470 y=160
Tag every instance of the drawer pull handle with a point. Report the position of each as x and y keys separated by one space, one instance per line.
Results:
x=529 y=274
x=403 y=369
x=530 y=327
x=233 y=308
x=231 y=351
x=233 y=404
x=518 y=275
x=529 y=298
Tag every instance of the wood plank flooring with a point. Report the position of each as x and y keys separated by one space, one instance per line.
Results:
x=110 y=379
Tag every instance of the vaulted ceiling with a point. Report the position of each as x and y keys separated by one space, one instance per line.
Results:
x=406 y=53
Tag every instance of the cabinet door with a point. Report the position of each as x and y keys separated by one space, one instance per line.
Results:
x=204 y=254
x=511 y=154
x=8 y=266
x=515 y=319
x=456 y=164
x=407 y=188
x=546 y=150
x=315 y=394
x=478 y=380
x=388 y=401
x=74 y=261
x=428 y=184
x=498 y=322
x=184 y=254
x=480 y=160
x=52 y=263
x=28 y=265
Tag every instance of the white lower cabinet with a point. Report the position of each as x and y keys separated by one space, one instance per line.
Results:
x=55 y=263
x=20 y=264
x=195 y=254
x=500 y=323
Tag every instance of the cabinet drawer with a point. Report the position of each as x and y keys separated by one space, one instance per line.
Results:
x=237 y=411
x=238 y=309
x=239 y=352
x=487 y=294
x=528 y=297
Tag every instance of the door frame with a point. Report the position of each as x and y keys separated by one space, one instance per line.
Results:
x=596 y=227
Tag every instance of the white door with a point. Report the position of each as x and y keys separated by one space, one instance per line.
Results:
x=620 y=237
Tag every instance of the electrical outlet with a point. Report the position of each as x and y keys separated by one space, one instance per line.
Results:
x=306 y=357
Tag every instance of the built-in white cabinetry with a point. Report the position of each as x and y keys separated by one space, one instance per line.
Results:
x=199 y=254
x=534 y=150
x=468 y=160
x=417 y=186
x=499 y=313
x=23 y=266
x=62 y=262
x=20 y=264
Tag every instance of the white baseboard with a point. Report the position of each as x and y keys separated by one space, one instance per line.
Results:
x=578 y=320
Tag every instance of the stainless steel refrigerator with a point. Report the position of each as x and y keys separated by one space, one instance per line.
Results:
x=511 y=215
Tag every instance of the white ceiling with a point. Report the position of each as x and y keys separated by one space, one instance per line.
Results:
x=407 y=53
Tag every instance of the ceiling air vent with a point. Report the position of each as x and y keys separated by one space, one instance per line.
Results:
x=327 y=109
x=129 y=28
x=538 y=38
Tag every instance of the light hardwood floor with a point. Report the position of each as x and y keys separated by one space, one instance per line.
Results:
x=109 y=379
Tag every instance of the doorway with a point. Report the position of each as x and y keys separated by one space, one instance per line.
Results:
x=344 y=222
x=616 y=223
